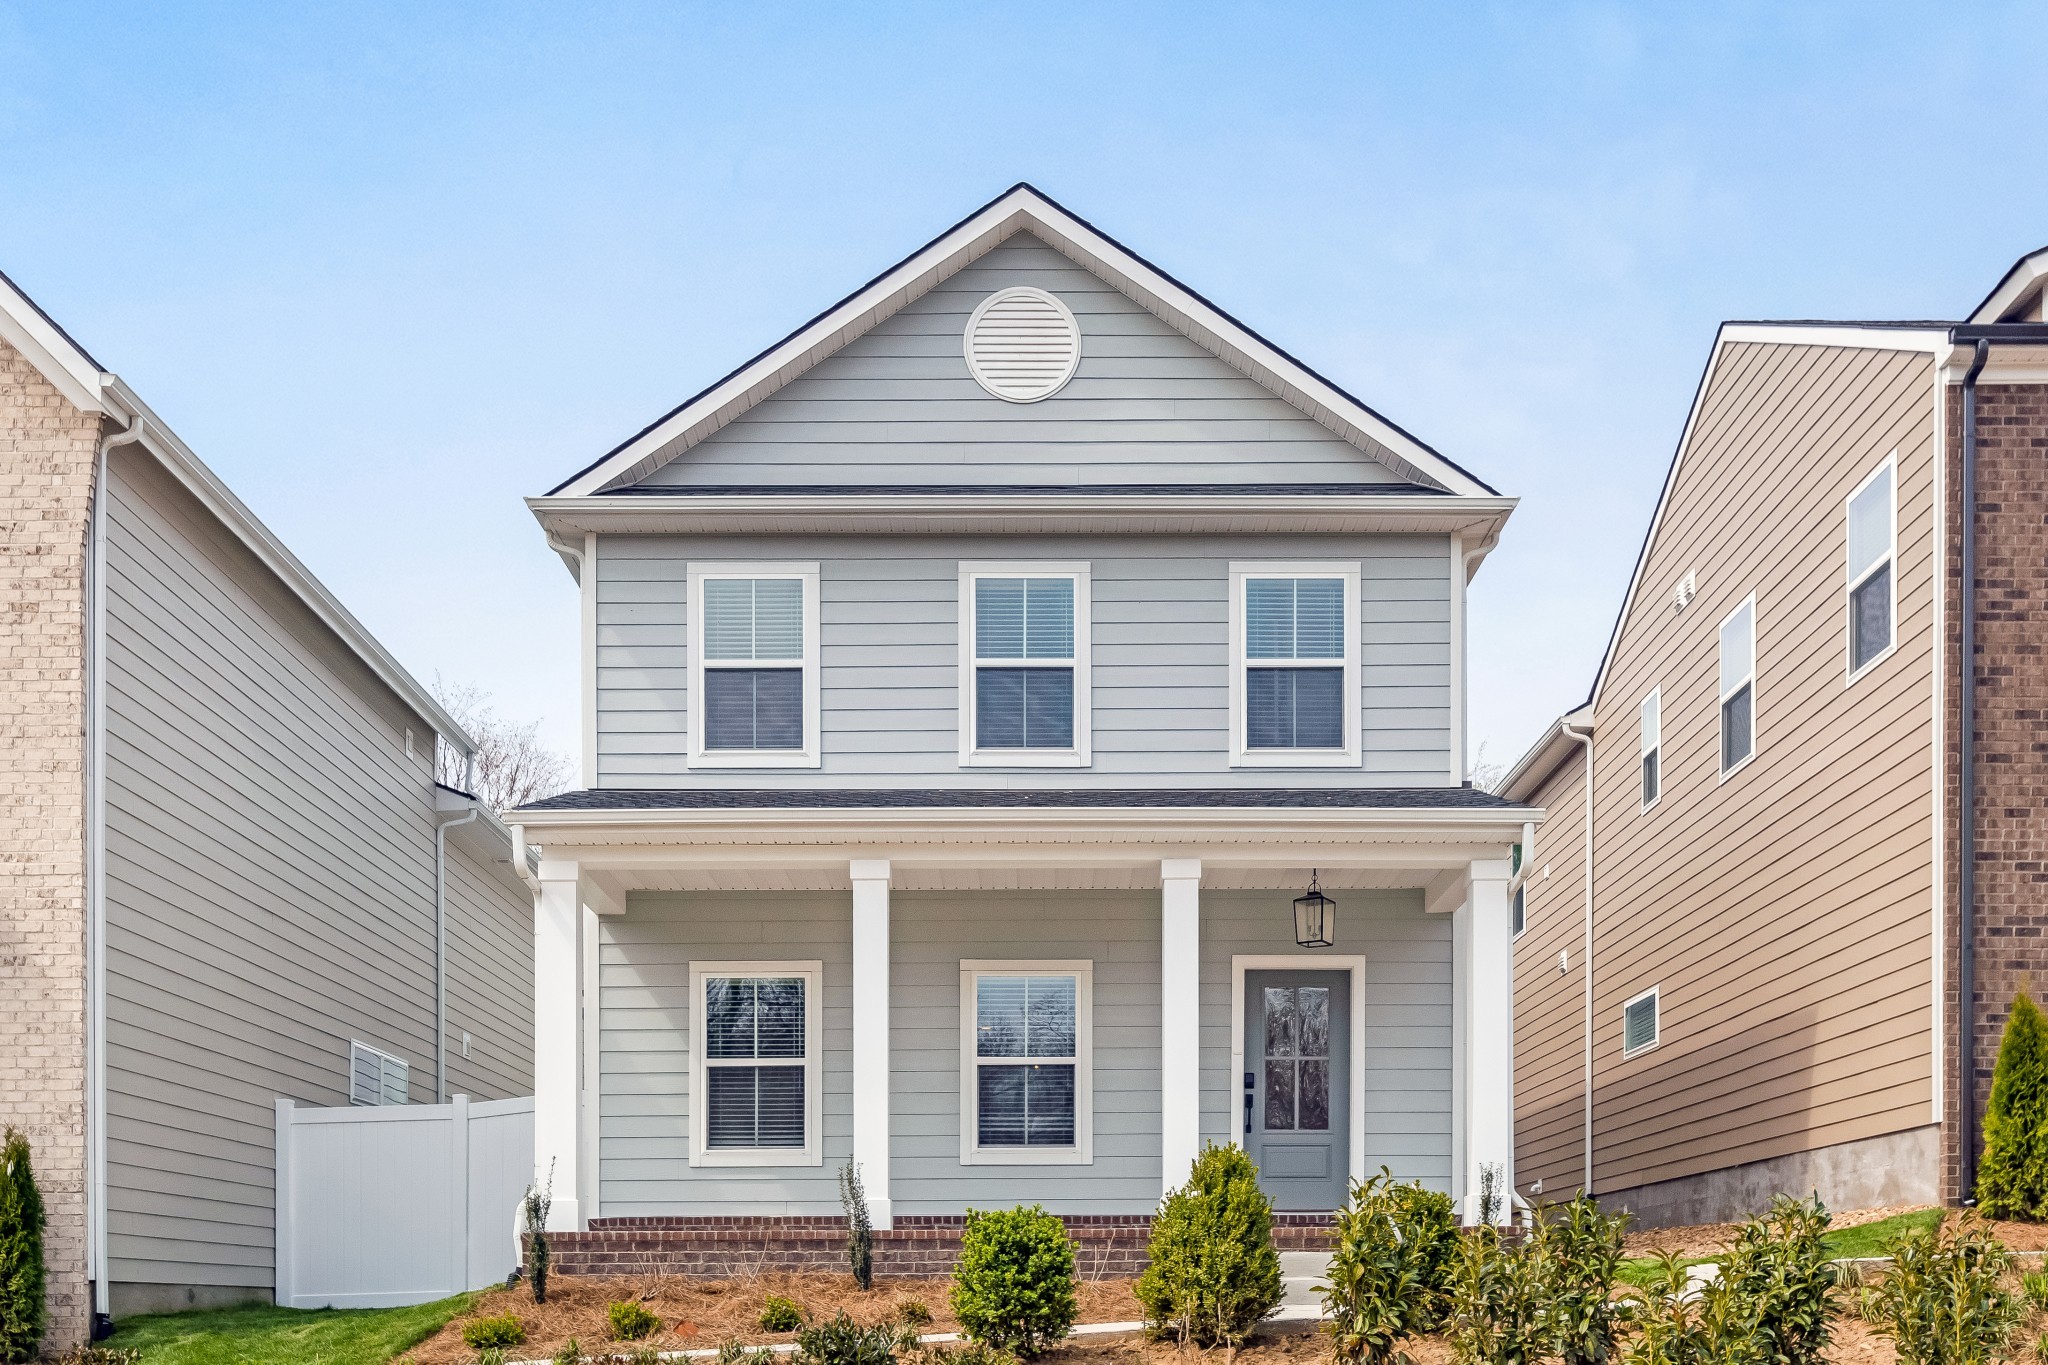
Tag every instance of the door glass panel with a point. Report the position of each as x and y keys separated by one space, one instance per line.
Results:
x=1314 y=1011
x=1279 y=1095
x=1279 y=1021
x=1315 y=1095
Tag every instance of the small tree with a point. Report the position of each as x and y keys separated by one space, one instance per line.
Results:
x=22 y=1312
x=860 y=1231
x=1213 y=1274
x=2012 y=1182
x=540 y=1200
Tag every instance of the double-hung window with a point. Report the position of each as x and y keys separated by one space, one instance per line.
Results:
x=1025 y=1074
x=753 y=688
x=1024 y=665
x=1738 y=686
x=754 y=1091
x=1295 y=676
x=1873 y=549
x=1650 y=727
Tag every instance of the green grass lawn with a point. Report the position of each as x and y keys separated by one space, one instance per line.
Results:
x=261 y=1335
x=1869 y=1239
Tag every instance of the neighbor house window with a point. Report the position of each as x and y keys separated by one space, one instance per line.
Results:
x=1639 y=1023
x=1024 y=664
x=1873 y=548
x=754 y=1091
x=1295 y=684
x=1025 y=1077
x=1521 y=908
x=1650 y=727
x=754 y=676
x=1738 y=686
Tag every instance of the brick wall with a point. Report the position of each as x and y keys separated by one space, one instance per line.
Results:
x=2012 y=728
x=46 y=465
x=717 y=1248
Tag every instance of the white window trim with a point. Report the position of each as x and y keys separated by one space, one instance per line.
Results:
x=1851 y=580
x=702 y=1153
x=1656 y=695
x=385 y=1061
x=1520 y=887
x=1656 y=1018
x=809 y=755
x=1082 y=1153
x=1082 y=754
x=1721 y=702
x=1351 y=755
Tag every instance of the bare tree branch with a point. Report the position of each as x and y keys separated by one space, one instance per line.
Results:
x=512 y=766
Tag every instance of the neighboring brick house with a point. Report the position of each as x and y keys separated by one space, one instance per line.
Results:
x=1763 y=991
x=218 y=819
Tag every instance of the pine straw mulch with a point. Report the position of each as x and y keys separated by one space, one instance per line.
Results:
x=697 y=1314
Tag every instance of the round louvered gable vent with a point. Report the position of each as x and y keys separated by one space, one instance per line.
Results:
x=1022 y=345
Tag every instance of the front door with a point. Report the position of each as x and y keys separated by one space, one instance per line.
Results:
x=1297 y=1081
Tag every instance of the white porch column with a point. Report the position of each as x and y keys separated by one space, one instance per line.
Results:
x=1484 y=1038
x=871 y=1032
x=558 y=1039
x=1180 y=1019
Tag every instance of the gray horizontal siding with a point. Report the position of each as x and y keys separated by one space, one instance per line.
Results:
x=1147 y=405
x=645 y=1046
x=889 y=655
x=269 y=890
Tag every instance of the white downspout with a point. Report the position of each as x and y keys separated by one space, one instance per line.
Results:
x=1585 y=737
x=96 y=874
x=441 y=829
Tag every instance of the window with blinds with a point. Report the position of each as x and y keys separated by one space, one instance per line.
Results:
x=1639 y=1023
x=1738 y=686
x=1025 y=1066
x=756 y=1062
x=1294 y=663
x=753 y=676
x=1023 y=663
x=1873 y=537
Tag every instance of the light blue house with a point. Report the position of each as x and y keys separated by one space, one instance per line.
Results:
x=973 y=682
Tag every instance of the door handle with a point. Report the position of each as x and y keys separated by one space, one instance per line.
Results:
x=1248 y=1084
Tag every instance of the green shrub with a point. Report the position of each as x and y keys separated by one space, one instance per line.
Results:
x=22 y=1313
x=631 y=1321
x=1014 y=1286
x=1778 y=1283
x=1213 y=1274
x=2012 y=1180
x=2034 y=1284
x=1669 y=1321
x=570 y=1354
x=913 y=1313
x=842 y=1341
x=491 y=1355
x=733 y=1351
x=493 y=1333
x=1942 y=1300
x=1496 y=1300
x=975 y=1353
x=538 y=1201
x=781 y=1315
x=1389 y=1274
x=860 y=1232
x=2041 y=1346
x=1578 y=1253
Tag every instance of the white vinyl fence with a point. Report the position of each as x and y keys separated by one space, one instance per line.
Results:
x=382 y=1206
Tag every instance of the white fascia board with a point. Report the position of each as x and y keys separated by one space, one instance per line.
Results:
x=1022 y=209
x=2007 y=292
x=1932 y=340
x=55 y=356
x=1550 y=749
x=220 y=501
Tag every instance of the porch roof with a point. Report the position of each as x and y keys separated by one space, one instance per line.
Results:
x=1097 y=798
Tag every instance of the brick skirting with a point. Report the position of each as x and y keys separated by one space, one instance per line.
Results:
x=1111 y=1245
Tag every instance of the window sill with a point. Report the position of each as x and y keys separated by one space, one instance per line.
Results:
x=1295 y=758
x=1747 y=759
x=1025 y=758
x=1026 y=1156
x=755 y=758
x=757 y=1156
x=1858 y=674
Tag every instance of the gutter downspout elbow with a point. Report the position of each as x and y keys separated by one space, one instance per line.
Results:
x=1585 y=739
x=1966 y=781
x=441 y=828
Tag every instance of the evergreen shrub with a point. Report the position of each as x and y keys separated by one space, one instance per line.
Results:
x=1212 y=1274
x=2012 y=1179
x=22 y=1311
x=1390 y=1273
x=1943 y=1300
x=1013 y=1288
x=1578 y=1253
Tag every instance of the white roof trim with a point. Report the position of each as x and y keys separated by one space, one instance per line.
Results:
x=1023 y=208
x=2025 y=273
x=79 y=378
x=1544 y=756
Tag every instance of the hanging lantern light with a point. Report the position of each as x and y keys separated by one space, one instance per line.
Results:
x=1315 y=917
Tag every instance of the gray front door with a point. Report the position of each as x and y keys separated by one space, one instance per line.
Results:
x=1297 y=1082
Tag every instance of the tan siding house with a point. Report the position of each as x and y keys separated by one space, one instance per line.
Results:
x=1767 y=921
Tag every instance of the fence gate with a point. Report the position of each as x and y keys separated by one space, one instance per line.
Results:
x=390 y=1205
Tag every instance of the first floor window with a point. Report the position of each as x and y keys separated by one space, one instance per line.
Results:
x=1025 y=1061
x=756 y=1062
x=1639 y=1023
x=1738 y=686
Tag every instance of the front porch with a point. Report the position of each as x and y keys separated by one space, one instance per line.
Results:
x=983 y=1007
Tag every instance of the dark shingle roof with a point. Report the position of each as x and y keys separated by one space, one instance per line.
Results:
x=925 y=798
x=812 y=490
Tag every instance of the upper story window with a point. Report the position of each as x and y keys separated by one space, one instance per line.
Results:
x=1650 y=726
x=755 y=1063
x=754 y=666
x=1873 y=547
x=1025 y=1062
x=1640 y=1026
x=1294 y=678
x=1738 y=686
x=1024 y=664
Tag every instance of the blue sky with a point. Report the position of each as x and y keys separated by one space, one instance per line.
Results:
x=390 y=268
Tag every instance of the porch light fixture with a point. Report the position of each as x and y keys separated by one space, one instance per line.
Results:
x=1315 y=918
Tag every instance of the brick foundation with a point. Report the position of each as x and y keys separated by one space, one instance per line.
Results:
x=1105 y=1245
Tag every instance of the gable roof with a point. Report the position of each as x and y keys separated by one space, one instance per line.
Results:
x=2012 y=287
x=92 y=389
x=1021 y=208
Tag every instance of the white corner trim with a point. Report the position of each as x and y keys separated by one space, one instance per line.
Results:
x=1304 y=961
x=812 y=1152
x=1082 y=1153
x=1082 y=754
